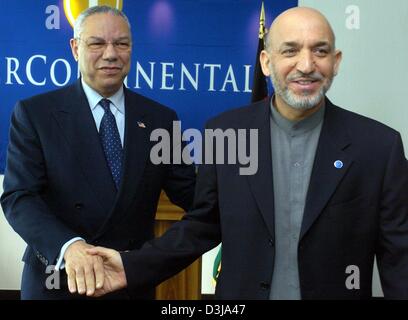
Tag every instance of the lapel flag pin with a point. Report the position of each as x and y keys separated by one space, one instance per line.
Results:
x=338 y=164
x=141 y=125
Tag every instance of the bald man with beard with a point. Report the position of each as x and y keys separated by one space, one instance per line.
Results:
x=329 y=195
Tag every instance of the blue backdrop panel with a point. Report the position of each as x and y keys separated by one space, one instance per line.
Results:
x=195 y=56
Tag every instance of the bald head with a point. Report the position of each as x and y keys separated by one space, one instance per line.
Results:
x=299 y=22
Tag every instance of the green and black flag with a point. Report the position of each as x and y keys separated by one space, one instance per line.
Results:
x=259 y=92
x=217 y=266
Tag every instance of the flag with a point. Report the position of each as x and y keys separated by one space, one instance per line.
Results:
x=259 y=92
x=217 y=266
x=259 y=84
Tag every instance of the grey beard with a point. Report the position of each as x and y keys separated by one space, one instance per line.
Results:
x=305 y=102
x=300 y=103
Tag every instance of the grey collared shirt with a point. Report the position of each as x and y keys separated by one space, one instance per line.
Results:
x=293 y=150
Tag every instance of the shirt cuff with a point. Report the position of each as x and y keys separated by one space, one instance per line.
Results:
x=60 y=261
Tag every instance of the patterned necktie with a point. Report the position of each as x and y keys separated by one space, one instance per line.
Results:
x=111 y=143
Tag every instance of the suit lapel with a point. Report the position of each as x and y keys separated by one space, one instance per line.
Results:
x=325 y=176
x=261 y=183
x=137 y=129
x=77 y=123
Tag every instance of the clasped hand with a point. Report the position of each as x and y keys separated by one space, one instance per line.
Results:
x=94 y=271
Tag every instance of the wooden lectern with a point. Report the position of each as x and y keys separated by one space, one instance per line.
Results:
x=187 y=284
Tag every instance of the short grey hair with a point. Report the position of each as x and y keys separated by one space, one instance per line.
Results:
x=95 y=10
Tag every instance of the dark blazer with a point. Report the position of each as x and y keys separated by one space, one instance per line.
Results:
x=351 y=214
x=58 y=186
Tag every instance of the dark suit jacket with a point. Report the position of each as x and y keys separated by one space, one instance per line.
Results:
x=58 y=186
x=351 y=214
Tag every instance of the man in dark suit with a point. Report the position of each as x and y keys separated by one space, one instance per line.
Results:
x=329 y=195
x=78 y=168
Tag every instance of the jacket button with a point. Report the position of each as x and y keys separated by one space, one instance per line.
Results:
x=271 y=243
x=265 y=286
x=78 y=206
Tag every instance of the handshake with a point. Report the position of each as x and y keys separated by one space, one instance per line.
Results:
x=94 y=271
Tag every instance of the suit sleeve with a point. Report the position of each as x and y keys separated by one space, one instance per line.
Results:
x=392 y=249
x=185 y=241
x=180 y=178
x=24 y=182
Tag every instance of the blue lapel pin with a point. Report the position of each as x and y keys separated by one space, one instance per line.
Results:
x=338 y=164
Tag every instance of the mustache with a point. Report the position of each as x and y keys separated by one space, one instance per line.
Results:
x=315 y=76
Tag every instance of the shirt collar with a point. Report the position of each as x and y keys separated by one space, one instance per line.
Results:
x=94 y=97
x=297 y=127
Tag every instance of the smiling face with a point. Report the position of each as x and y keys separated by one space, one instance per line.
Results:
x=300 y=59
x=103 y=52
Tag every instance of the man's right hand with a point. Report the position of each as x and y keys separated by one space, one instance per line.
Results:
x=85 y=272
x=115 y=276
